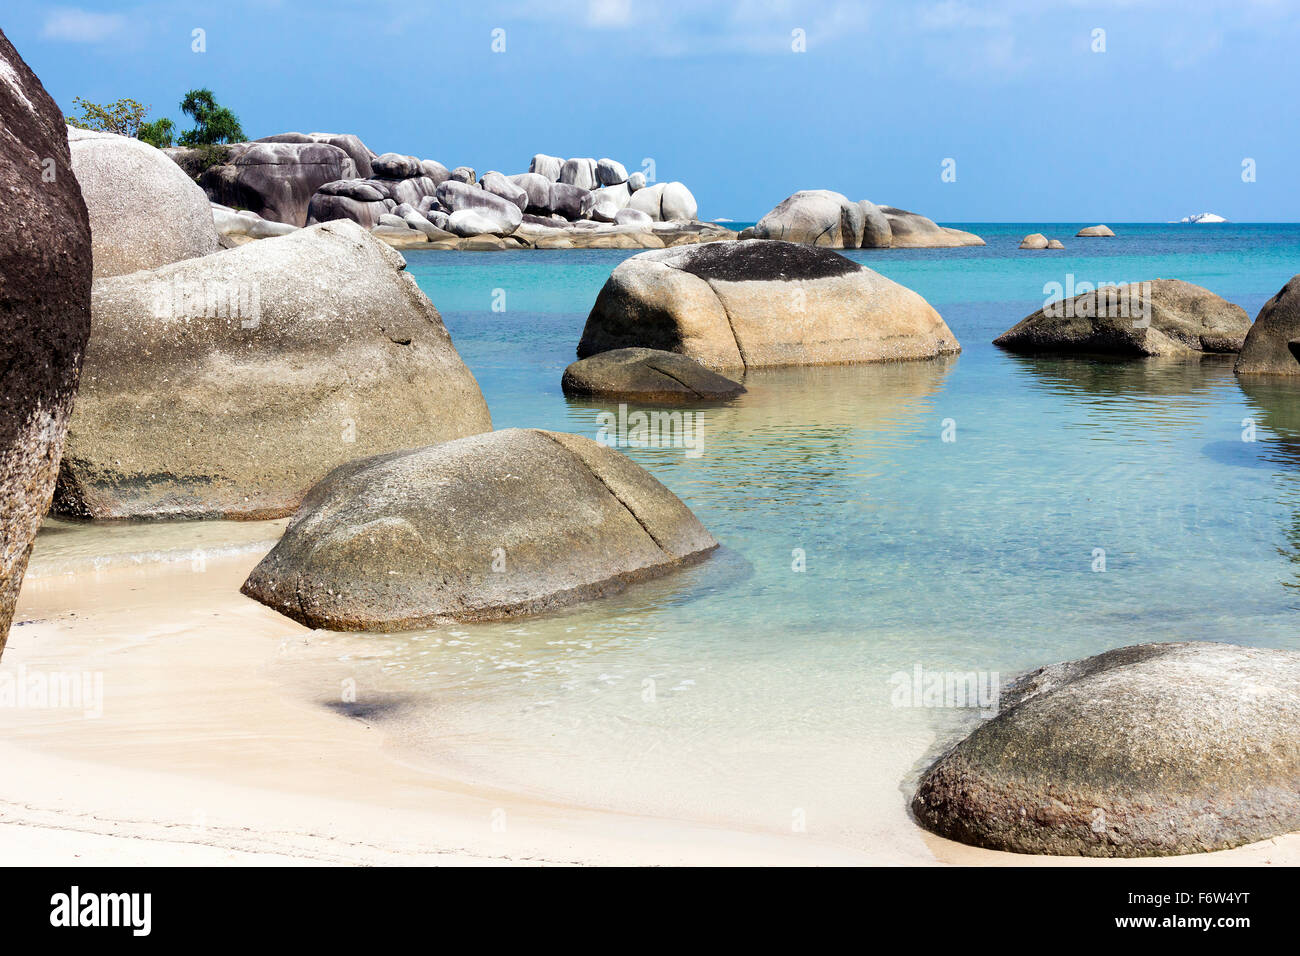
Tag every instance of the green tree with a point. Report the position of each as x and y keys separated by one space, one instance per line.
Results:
x=213 y=124
x=158 y=133
x=125 y=117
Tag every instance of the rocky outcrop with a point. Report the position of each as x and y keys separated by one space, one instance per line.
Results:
x=144 y=211
x=276 y=180
x=235 y=227
x=226 y=386
x=547 y=166
x=1151 y=750
x=1163 y=317
x=476 y=211
x=361 y=200
x=822 y=217
x=910 y=230
x=759 y=303
x=646 y=375
x=45 y=265
x=494 y=526
x=357 y=151
x=1035 y=240
x=1272 y=345
x=1095 y=232
x=664 y=202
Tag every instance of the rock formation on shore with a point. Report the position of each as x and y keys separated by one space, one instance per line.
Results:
x=45 y=276
x=821 y=217
x=144 y=211
x=1151 y=750
x=1162 y=317
x=1272 y=346
x=646 y=375
x=493 y=526
x=755 y=303
x=226 y=386
x=302 y=179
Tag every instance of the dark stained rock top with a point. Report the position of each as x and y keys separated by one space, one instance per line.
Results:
x=766 y=261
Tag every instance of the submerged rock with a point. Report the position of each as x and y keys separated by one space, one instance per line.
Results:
x=1163 y=317
x=227 y=386
x=45 y=275
x=144 y=211
x=1151 y=750
x=734 y=305
x=493 y=526
x=646 y=375
x=1271 y=344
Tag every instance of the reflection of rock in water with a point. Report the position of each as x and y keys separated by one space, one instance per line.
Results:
x=1278 y=403
x=1118 y=378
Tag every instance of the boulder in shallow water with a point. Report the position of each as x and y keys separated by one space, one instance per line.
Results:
x=1055 y=244
x=734 y=305
x=144 y=211
x=876 y=232
x=815 y=217
x=1151 y=750
x=646 y=375
x=910 y=230
x=494 y=526
x=1270 y=347
x=227 y=386
x=1035 y=240
x=45 y=275
x=1163 y=317
x=1095 y=232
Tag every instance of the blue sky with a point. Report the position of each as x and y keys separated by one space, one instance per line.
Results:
x=1041 y=127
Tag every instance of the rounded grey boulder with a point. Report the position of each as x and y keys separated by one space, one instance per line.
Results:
x=226 y=386
x=487 y=527
x=1150 y=750
x=144 y=211
x=1270 y=347
x=646 y=375
x=737 y=305
x=1162 y=317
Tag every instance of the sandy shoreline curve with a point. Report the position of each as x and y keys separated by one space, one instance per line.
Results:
x=202 y=757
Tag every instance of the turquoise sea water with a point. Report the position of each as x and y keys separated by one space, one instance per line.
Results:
x=743 y=687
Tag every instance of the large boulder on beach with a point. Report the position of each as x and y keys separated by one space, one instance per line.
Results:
x=1151 y=750
x=1162 y=317
x=349 y=143
x=1095 y=232
x=227 y=386
x=144 y=211
x=815 y=217
x=761 y=302
x=1272 y=345
x=646 y=375
x=276 y=180
x=494 y=526
x=571 y=202
x=45 y=275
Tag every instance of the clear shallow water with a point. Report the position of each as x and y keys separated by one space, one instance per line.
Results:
x=742 y=689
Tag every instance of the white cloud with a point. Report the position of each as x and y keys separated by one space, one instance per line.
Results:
x=81 y=26
x=609 y=13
